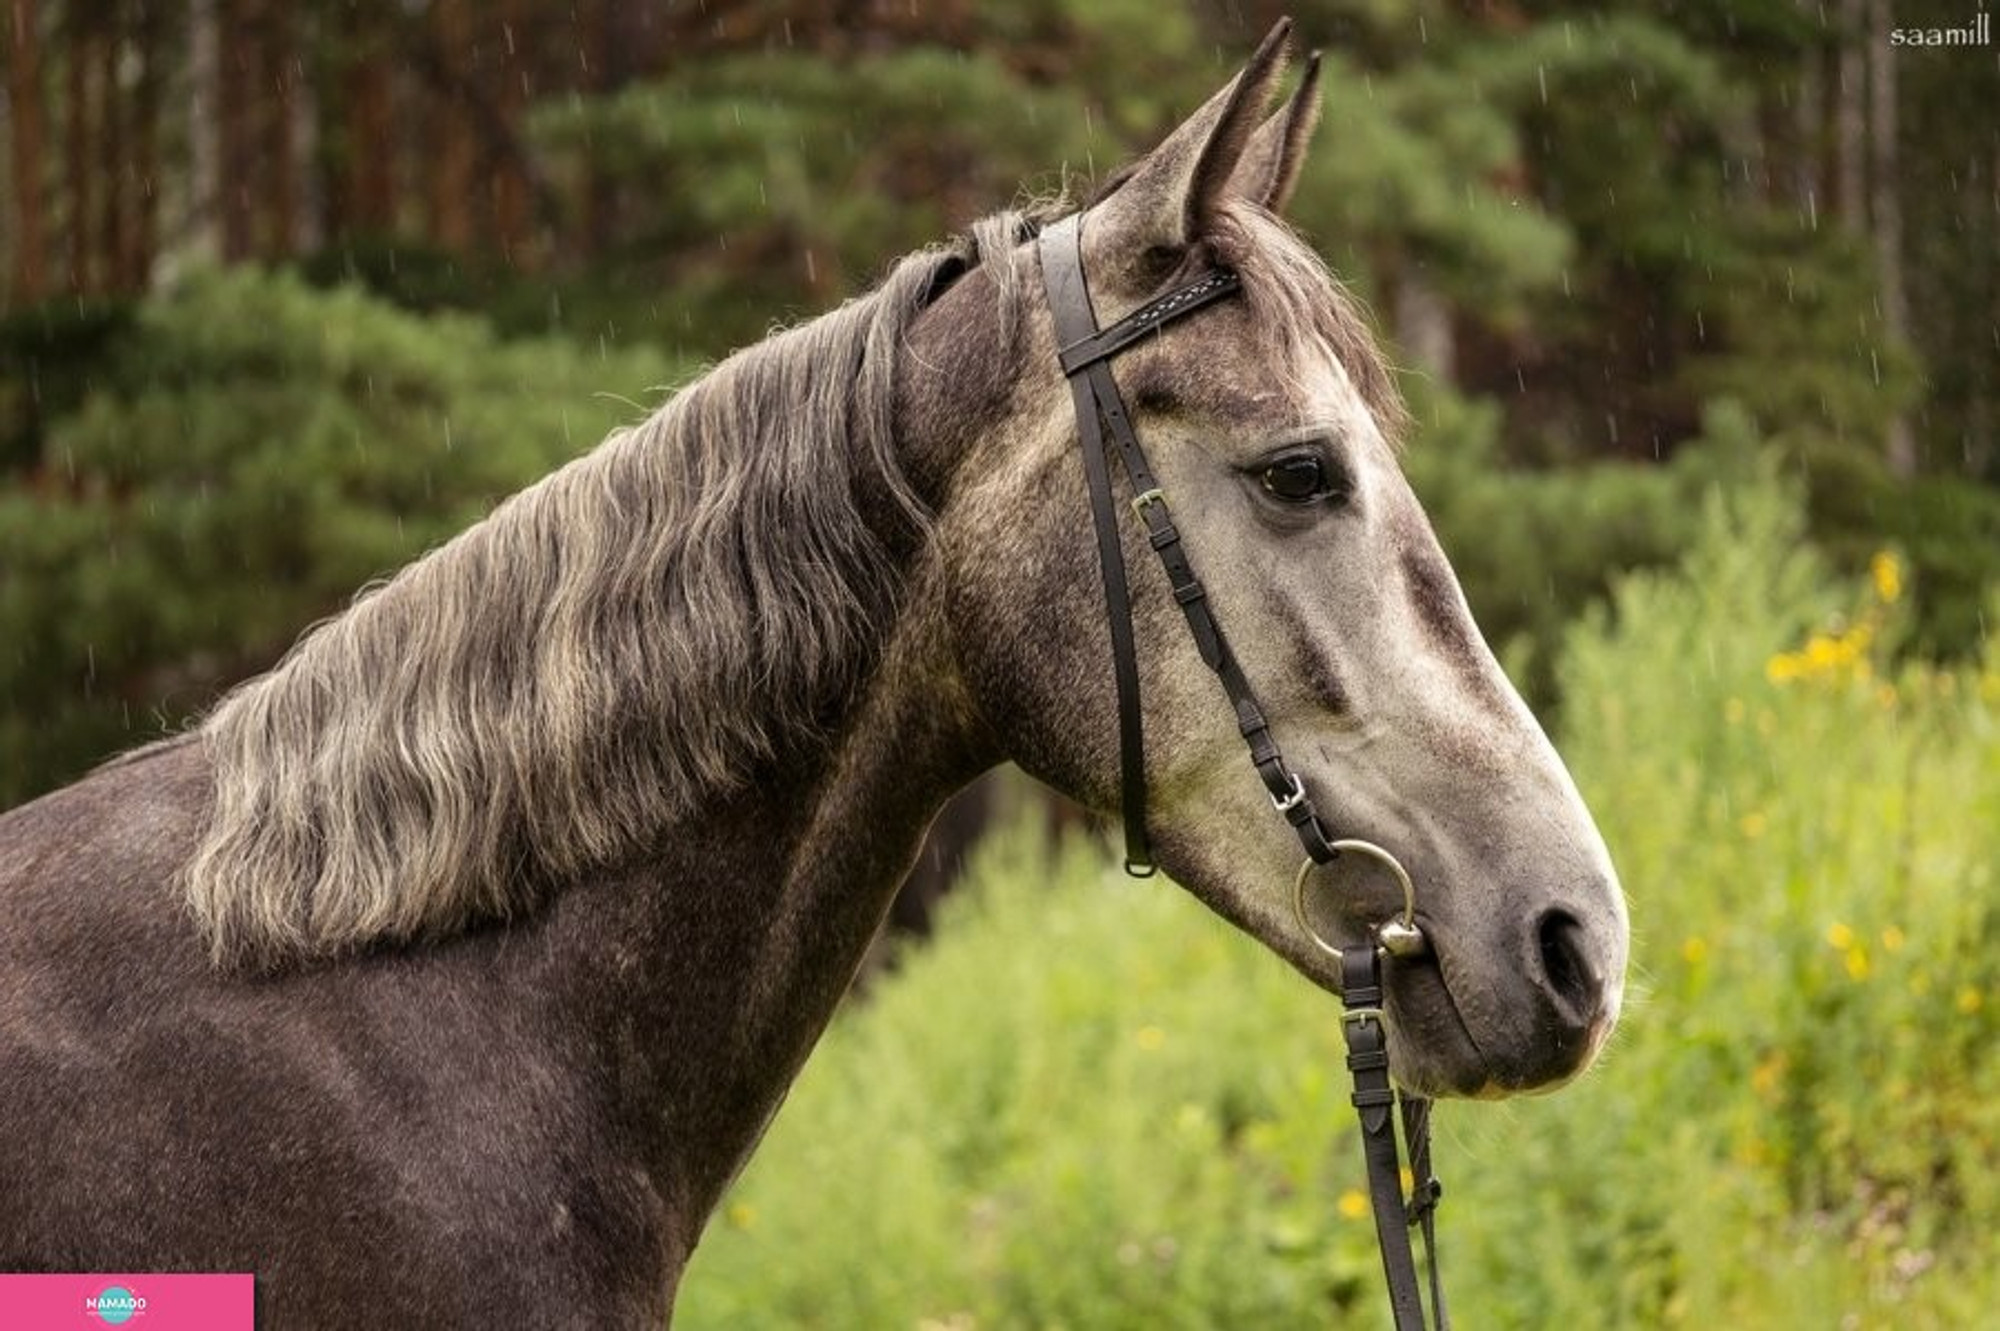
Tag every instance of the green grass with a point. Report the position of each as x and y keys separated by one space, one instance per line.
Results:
x=1090 y=1105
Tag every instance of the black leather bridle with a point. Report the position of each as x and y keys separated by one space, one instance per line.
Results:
x=1085 y=352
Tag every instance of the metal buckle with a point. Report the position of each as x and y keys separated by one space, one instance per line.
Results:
x=1293 y=800
x=1152 y=496
x=1359 y=1015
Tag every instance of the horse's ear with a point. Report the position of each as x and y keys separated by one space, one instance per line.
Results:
x=1270 y=164
x=1169 y=198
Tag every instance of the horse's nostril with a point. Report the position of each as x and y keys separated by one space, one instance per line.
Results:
x=1566 y=966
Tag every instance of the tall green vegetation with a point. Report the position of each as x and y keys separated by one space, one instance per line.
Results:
x=1089 y=1104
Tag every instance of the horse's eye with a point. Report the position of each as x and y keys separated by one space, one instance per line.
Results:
x=1298 y=480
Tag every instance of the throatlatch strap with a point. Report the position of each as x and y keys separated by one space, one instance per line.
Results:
x=1375 y=1101
x=1069 y=305
x=1124 y=654
x=1085 y=354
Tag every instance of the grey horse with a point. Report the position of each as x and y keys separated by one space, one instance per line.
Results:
x=447 y=974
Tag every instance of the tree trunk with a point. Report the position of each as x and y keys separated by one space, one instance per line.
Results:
x=1982 y=450
x=1887 y=210
x=452 y=157
x=1850 y=117
x=302 y=133
x=138 y=227
x=1808 y=175
x=80 y=151
x=204 y=195
x=594 y=52
x=510 y=186
x=278 y=75
x=368 y=146
x=236 y=140
x=114 y=159
x=24 y=101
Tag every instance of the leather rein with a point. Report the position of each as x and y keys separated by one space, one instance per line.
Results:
x=1085 y=352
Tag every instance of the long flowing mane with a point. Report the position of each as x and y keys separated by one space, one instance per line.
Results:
x=635 y=631
x=619 y=642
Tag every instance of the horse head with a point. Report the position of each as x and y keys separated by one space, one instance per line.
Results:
x=1272 y=426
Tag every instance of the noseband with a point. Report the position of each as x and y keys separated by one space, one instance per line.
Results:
x=1085 y=352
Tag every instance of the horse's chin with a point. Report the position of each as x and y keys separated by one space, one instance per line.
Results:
x=1431 y=1052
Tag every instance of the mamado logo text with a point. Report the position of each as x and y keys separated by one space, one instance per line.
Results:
x=114 y=1305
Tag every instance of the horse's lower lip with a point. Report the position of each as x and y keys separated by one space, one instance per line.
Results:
x=1438 y=1056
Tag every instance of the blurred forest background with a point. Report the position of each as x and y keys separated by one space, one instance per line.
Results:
x=291 y=291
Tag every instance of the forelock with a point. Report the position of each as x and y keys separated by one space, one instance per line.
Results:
x=1301 y=307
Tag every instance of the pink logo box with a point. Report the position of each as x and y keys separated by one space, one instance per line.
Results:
x=141 y=1302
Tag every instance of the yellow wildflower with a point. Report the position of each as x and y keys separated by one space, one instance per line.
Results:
x=1887 y=572
x=1769 y=1074
x=1694 y=950
x=1892 y=939
x=1752 y=824
x=1839 y=937
x=1151 y=1038
x=1969 y=1001
x=1353 y=1204
x=1856 y=961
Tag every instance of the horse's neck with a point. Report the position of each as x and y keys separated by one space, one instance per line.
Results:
x=712 y=969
